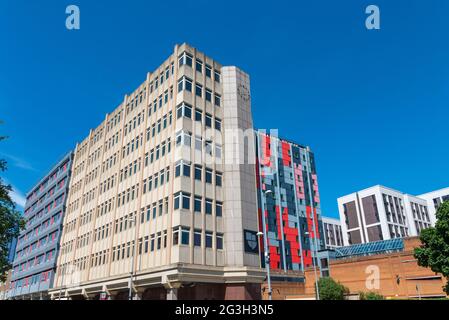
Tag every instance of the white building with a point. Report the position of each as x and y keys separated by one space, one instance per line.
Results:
x=333 y=236
x=381 y=213
x=434 y=199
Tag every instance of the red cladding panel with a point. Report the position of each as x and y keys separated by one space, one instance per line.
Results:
x=286 y=159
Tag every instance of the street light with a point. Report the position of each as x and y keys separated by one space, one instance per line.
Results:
x=314 y=267
x=417 y=290
x=133 y=219
x=63 y=267
x=266 y=253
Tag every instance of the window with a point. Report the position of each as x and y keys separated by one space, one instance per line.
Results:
x=154 y=210
x=219 y=241
x=163 y=149
x=183 y=137
x=181 y=199
x=217 y=100
x=186 y=169
x=198 y=143
x=185 y=59
x=198 y=115
x=217 y=76
x=208 y=147
x=209 y=236
x=160 y=207
x=218 y=124
x=208 y=120
x=208 y=175
x=208 y=95
x=160 y=101
x=167 y=73
x=182 y=167
x=157 y=152
x=150 y=183
x=218 y=179
x=198 y=171
x=208 y=71
x=219 y=209
x=184 y=84
x=218 y=151
x=197 y=204
x=166 y=205
x=152 y=243
x=175 y=236
x=188 y=84
x=208 y=206
x=159 y=241
x=148 y=213
x=184 y=110
x=162 y=77
x=197 y=238
x=199 y=66
x=199 y=90
x=185 y=235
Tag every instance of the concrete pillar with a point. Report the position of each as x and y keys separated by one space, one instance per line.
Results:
x=172 y=294
x=137 y=295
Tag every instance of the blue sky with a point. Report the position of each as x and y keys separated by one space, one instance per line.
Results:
x=373 y=105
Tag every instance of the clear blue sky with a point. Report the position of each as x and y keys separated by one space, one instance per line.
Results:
x=373 y=105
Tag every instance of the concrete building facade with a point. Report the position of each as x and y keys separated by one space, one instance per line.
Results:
x=37 y=246
x=159 y=199
x=380 y=213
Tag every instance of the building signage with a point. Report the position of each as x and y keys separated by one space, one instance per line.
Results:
x=250 y=240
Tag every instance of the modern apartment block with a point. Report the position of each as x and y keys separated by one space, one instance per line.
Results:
x=37 y=247
x=333 y=236
x=158 y=199
x=380 y=213
x=289 y=203
x=434 y=200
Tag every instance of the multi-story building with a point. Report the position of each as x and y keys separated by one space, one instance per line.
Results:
x=434 y=200
x=158 y=201
x=38 y=244
x=289 y=203
x=333 y=236
x=418 y=215
x=380 y=213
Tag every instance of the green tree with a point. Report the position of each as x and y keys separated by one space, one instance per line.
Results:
x=331 y=290
x=371 y=296
x=11 y=221
x=434 y=250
